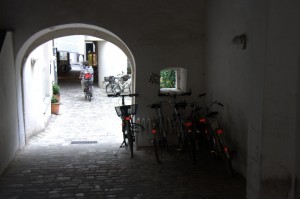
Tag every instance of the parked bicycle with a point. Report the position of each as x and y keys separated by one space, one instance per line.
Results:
x=215 y=135
x=110 y=85
x=129 y=128
x=119 y=84
x=185 y=132
x=159 y=134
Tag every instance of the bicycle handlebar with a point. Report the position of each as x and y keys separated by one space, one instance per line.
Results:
x=218 y=103
x=201 y=95
x=154 y=106
x=123 y=95
x=210 y=104
x=173 y=94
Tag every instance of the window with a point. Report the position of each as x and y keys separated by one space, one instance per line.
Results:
x=173 y=80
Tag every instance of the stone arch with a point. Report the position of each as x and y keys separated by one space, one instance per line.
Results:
x=59 y=31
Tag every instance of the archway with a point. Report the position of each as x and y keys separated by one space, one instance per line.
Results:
x=54 y=32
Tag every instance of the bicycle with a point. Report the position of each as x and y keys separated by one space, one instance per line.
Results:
x=111 y=84
x=185 y=132
x=216 y=136
x=88 y=86
x=122 y=84
x=196 y=116
x=159 y=134
x=129 y=128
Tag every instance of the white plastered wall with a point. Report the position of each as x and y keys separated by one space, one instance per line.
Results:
x=9 y=136
x=259 y=87
x=37 y=82
x=112 y=60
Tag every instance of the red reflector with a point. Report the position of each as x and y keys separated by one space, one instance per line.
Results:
x=153 y=131
x=188 y=124
x=220 y=131
x=226 y=149
x=202 y=120
x=127 y=118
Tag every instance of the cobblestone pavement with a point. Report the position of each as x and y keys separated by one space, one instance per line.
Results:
x=51 y=167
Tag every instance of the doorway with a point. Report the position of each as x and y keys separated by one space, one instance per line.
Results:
x=59 y=31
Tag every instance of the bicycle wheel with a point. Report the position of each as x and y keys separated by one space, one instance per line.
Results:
x=225 y=156
x=191 y=143
x=89 y=96
x=158 y=147
x=116 y=89
x=109 y=87
x=130 y=137
x=211 y=141
x=129 y=89
x=181 y=137
x=90 y=93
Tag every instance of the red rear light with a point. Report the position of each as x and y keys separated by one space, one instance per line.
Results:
x=202 y=120
x=153 y=131
x=225 y=149
x=127 y=118
x=220 y=131
x=188 y=124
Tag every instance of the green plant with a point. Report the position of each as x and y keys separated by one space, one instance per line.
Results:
x=54 y=100
x=167 y=79
x=55 y=89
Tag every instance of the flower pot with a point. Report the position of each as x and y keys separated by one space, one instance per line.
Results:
x=55 y=108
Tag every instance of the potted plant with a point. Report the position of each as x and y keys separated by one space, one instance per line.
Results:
x=56 y=91
x=54 y=105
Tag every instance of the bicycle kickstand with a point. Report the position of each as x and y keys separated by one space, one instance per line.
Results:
x=121 y=146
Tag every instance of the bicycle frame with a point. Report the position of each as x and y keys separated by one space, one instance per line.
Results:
x=88 y=90
x=182 y=129
x=219 y=146
x=126 y=112
x=158 y=132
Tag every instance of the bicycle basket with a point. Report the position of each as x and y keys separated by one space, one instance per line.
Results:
x=106 y=79
x=123 y=111
x=111 y=79
x=126 y=77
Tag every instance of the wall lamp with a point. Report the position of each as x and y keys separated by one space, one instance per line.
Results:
x=240 y=40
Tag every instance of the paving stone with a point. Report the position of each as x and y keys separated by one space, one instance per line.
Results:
x=51 y=167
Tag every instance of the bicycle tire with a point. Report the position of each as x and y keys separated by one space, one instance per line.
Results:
x=181 y=137
x=211 y=140
x=109 y=88
x=130 y=138
x=116 y=89
x=157 y=149
x=192 y=146
x=216 y=148
x=129 y=88
x=225 y=157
